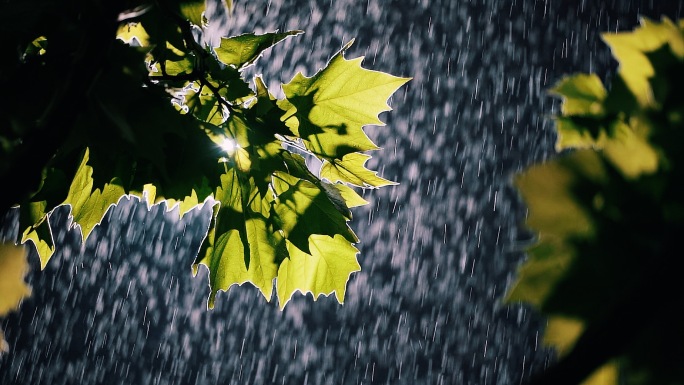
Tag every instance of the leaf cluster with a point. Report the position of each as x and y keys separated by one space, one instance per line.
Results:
x=609 y=213
x=124 y=99
x=13 y=268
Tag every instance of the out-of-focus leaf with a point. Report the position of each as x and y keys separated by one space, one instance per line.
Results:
x=89 y=203
x=630 y=151
x=351 y=169
x=13 y=269
x=630 y=48
x=608 y=215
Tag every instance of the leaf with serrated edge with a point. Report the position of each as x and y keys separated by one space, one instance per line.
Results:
x=225 y=257
x=325 y=270
x=630 y=48
x=351 y=197
x=243 y=50
x=133 y=31
x=582 y=94
x=193 y=10
x=328 y=111
x=35 y=225
x=89 y=206
x=303 y=209
x=13 y=267
x=351 y=169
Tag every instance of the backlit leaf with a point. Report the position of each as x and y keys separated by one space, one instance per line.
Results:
x=243 y=50
x=351 y=169
x=303 y=210
x=326 y=269
x=630 y=48
x=13 y=268
x=329 y=109
x=89 y=203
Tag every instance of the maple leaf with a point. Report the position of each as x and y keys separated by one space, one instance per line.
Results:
x=243 y=50
x=89 y=204
x=303 y=210
x=326 y=269
x=328 y=110
x=351 y=169
x=170 y=120
x=240 y=247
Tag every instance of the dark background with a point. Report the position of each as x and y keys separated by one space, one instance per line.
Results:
x=437 y=253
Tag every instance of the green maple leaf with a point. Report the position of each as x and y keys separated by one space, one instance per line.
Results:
x=243 y=50
x=174 y=122
x=351 y=169
x=34 y=220
x=587 y=121
x=303 y=210
x=326 y=269
x=240 y=246
x=555 y=213
x=328 y=110
x=88 y=203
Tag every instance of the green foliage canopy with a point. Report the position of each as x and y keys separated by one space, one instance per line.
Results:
x=609 y=213
x=120 y=98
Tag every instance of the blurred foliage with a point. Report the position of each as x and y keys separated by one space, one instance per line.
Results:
x=609 y=214
x=13 y=268
x=107 y=99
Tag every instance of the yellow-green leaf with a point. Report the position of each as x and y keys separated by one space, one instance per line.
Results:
x=240 y=246
x=13 y=268
x=243 y=50
x=630 y=49
x=583 y=94
x=323 y=271
x=193 y=10
x=351 y=169
x=13 y=289
x=303 y=209
x=330 y=109
x=88 y=203
x=351 y=197
x=130 y=32
x=35 y=226
x=630 y=151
